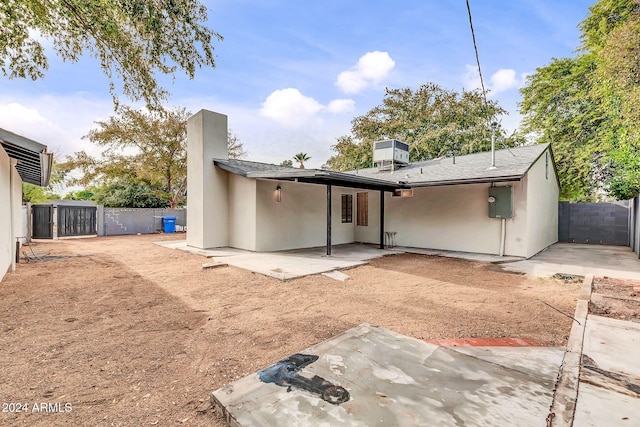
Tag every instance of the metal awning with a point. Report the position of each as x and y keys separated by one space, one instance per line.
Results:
x=34 y=163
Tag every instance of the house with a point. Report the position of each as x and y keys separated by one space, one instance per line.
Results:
x=21 y=160
x=459 y=204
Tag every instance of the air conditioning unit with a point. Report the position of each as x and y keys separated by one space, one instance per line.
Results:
x=389 y=153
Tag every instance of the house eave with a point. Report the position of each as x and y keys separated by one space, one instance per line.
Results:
x=486 y=180
x=34 y=163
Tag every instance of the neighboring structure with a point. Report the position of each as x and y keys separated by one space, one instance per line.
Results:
x=459 y=204
x=21 y=160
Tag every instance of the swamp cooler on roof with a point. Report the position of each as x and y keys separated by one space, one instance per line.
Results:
x=390 y=152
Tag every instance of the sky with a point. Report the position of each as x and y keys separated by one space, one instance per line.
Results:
x=292 y=75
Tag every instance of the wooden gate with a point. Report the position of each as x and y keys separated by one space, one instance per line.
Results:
x=76 y=221
x=42 y=217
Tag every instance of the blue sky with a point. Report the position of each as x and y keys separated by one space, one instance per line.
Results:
x=292 y=75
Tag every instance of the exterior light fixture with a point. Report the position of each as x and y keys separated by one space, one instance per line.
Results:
x=279 y=193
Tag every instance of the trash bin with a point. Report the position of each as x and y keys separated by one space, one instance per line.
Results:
x=169 y=224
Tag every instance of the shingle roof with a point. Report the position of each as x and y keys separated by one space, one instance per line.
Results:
x=510 y=163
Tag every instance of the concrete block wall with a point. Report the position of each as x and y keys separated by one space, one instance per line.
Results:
x=597 y=223
x=121 y=221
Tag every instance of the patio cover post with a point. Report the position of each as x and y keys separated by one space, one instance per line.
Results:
x=381 y=219
x=329 y=219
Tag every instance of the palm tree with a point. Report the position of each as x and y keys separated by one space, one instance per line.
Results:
x=301 y=158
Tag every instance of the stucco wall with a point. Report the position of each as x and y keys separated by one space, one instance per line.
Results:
x=242 y=212
x=542 y=208
x=299 y=220
x=5 y=213
x=206 y=184
x=455 y=218
x=10 y=212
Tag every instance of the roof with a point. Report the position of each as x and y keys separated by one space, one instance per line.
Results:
x=34 y=162
x=315 y=176
x=511 y=165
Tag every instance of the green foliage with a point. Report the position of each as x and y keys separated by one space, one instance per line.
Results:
x=80 y=195
x=36 y=194
x=125 y=194
x=301 y=158
x=133 y=39
x=588 y=107
x=138 y=147
x=286 y=163
x=148 y=149
x=432 y=120
x=557 y=108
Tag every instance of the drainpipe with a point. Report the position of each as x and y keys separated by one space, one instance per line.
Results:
x=503 y=236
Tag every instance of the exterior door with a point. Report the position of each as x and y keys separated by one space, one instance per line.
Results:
x=42 y=221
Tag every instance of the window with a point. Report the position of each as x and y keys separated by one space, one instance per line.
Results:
x=347 y=208
x=362 y=207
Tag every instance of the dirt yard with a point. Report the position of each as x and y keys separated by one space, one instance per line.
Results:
x=125 y=332
x=615 y=298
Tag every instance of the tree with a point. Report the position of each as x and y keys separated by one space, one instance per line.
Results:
x=139 y=147
x=235 y=147
x=35 y=194
x=142 y=150
x=127 y=194
x=286 y=163
x=301 y=158
x=133 y=40
x=588 y=107
x=432 y=120
x=558 y=108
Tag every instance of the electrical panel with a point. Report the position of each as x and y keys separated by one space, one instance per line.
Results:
x=500 y=202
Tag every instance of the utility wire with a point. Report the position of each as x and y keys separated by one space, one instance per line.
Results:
x=475 y=48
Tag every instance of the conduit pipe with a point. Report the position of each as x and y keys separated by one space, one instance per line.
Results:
x=503 y=236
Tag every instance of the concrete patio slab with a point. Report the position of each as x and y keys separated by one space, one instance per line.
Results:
x=470 y=256
x=599 y=407
x=182 y=245
x=286 y=265
x=609 y=388
x=372 y=376
x=579 y=259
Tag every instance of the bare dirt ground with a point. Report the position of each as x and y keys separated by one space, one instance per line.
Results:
x=615 y=298
x=125 y=332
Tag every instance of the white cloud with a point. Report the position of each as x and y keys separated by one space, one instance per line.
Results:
x=471 y=79
x=338 y=106
x=502 y=80
x=290 y=108
x=372 y=68
x=57 y=122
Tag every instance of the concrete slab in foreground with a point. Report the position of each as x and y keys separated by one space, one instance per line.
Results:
x=371 y=376
x=609 y=390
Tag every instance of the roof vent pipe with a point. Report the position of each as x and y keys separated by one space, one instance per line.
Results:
x=494 y=125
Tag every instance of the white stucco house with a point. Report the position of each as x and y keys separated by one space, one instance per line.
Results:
x=459 y=204
x=21 y=160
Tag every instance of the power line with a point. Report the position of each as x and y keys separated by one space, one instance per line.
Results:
x=475 y=47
